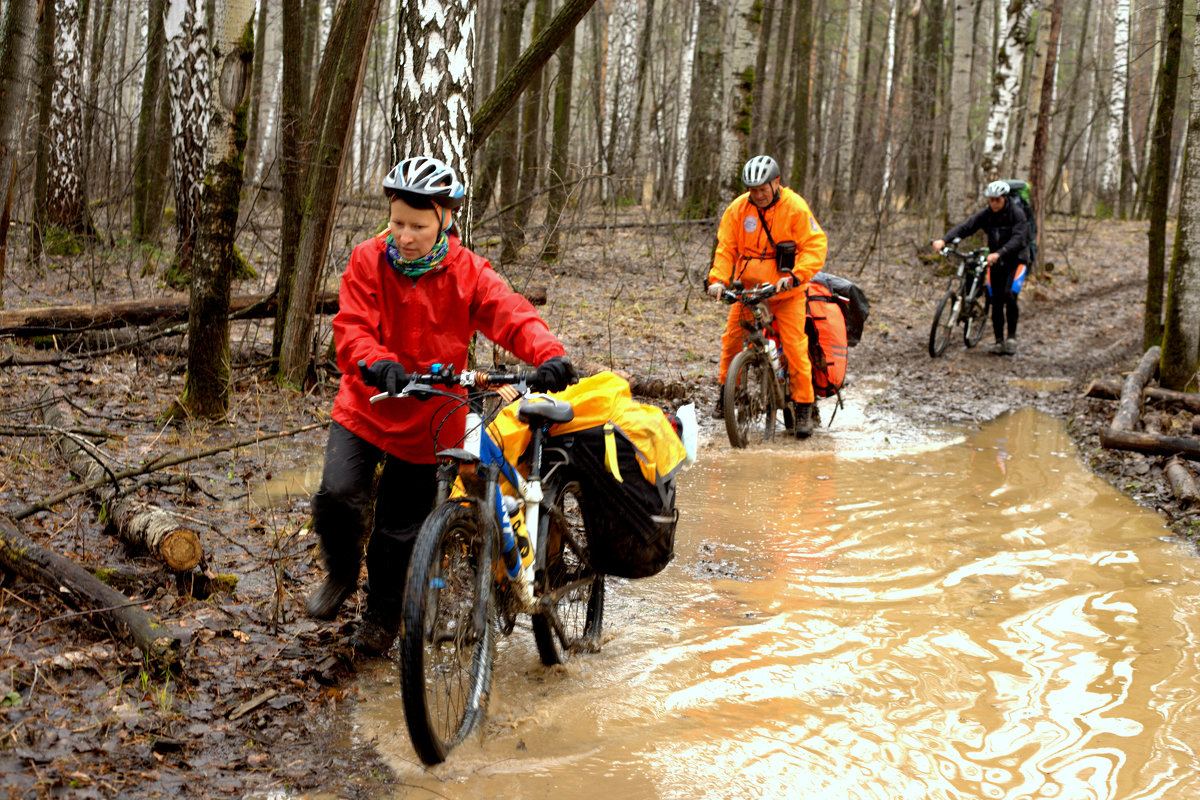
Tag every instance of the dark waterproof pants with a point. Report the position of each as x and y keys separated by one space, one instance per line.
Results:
x=342 y=516
x=1004 y=300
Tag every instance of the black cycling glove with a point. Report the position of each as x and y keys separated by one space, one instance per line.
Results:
x=555 y=374
x=384 y=375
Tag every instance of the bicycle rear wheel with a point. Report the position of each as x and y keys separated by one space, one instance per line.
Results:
x=447 y=641
x=976 y=317
x=750 y=399
x=943 y=324
x=575 y=593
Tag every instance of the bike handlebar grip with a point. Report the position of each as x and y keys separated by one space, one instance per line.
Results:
x=364 y=372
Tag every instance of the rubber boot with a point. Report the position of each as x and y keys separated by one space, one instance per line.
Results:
x=328 y=597
x=718 y=411
x=804 y=425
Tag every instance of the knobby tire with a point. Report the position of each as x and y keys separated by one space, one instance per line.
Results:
x=976 y=316
x=750 y=399
x=578 y=592
x=943 y=325
x=447 y=636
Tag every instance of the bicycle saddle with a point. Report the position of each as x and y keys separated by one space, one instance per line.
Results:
x=545 y=407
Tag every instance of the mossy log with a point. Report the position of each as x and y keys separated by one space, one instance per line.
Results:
x=147 y=527
x=83 y=591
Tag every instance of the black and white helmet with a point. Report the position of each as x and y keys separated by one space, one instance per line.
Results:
x=996 y=189
x=759 y=170
x=429 y=177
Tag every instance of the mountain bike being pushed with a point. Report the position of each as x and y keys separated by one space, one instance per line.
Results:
x=965 y=300
x=756 y=384
x=482 y=557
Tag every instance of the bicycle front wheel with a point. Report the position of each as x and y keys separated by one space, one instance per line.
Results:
x=976 y=320
x=943 y=324
x=750 y=399
x=448 y=638
x=571 y=589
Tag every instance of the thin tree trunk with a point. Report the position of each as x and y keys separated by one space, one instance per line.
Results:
x=758 y=92
x=41 y=169
x=16 y=72
x=1110 y=176
x=335 y=101
x=291 y=168
x=257 y=109
x=1006 y=83
x=843 y=188
x=1037 y=165
x=702 y=184
x=1159 y=168
x=803 y=48
x=148 y=129
x=508 y=139
x=206 y=384
x=960 y=183
x=559 y=150
x=531 y=127
x=1181 y=328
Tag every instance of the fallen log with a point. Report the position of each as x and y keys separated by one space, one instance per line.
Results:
x=641 y=385
x=1185 y=446
x=147 y=527
x=1130 y=404
x=83 y=591
x=48 y=320
x=1106 y=389
x=1183 y=486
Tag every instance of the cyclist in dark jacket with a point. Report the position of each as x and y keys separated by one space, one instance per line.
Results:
x=1006 y=227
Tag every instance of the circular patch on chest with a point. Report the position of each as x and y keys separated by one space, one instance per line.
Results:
x=750 y=224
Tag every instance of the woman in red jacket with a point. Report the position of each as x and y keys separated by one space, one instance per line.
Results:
x=411 y=297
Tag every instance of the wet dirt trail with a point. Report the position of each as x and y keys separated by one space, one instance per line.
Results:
x=974 y=615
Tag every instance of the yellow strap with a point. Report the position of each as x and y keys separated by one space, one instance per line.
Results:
x=610 y=452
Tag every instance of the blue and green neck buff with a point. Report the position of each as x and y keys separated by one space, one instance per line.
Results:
x=418 y=266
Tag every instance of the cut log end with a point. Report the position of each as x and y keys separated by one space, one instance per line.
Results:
x=180 y=549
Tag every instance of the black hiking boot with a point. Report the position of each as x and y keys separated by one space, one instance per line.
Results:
x=718 y=411
x=804 y=423
x=328 y=598
x=375 y=633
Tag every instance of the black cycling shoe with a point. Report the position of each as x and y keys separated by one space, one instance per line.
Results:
x=328 y=598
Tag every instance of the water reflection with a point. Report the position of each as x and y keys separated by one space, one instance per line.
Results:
x=984 y=620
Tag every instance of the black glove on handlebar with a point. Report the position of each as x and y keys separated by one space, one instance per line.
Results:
x=384 y=375
x=555 y=374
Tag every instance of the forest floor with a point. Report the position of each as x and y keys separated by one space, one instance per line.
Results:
x=262 y=705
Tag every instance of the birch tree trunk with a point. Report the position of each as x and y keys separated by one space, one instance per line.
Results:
x=1110 y=174
x=843 y=196
x=687 y=66
x=961 y=190
x=65 y=207
x=189 y=86
x=741 y=39
x=623 y=26
x=1181 y=328
x=1159 y=168
x=206 y=383
x=16 y=73
x=1028 y=104
x=1006 y=81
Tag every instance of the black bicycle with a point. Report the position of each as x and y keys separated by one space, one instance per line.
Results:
x=481 y=559
x=756 y=385
x=965 y=300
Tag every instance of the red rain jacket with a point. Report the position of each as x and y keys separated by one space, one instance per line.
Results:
x=385 y=315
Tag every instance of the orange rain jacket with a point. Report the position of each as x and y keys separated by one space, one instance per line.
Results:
x=744 y=253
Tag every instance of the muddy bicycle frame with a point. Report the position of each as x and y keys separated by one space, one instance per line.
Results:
x=961 y=300
x=754 y=389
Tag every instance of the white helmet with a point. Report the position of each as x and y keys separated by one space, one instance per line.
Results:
x=429 y=177
x=996 y=189
x=759 y=170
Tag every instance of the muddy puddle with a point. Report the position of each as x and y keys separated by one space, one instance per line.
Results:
x=979 y=617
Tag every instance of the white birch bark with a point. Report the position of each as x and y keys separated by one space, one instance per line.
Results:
x=846 y=144
x=190 y=87
x=1110 y=172
x=434 y=85
x=960 y=177
x=890 y=63
x=1006 y=82
x=64 y=201
x=1027 y=107
x=1181 y=328
x=741 y=40
x=687 y=60
x=621 y=75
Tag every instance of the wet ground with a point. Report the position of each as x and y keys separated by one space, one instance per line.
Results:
x=272 y=706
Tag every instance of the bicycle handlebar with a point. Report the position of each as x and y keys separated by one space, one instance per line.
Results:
x=480 y=380
x=737 y=294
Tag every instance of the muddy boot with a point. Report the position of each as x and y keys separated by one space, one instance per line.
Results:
x=997 y=349
x=789 y=418
x=804 y=425
x=375 y=632
x=1010 y=346
x=718 y=411
x=328 y=598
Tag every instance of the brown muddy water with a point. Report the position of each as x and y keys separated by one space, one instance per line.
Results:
x=968 y=617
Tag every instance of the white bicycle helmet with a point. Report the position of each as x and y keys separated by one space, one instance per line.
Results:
x=996 y=189
x=429 y=177
x=759 y=170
